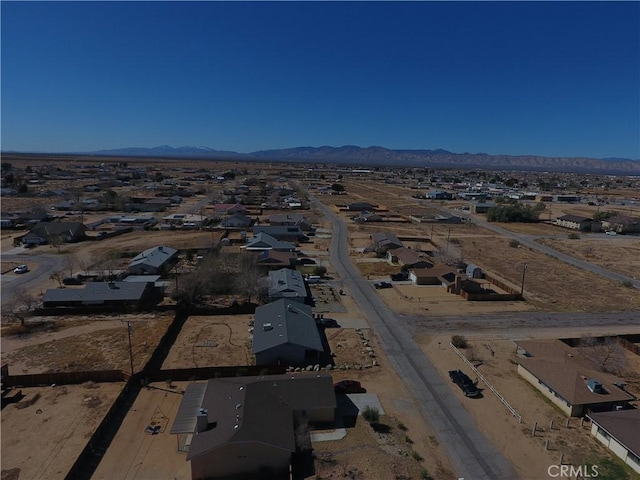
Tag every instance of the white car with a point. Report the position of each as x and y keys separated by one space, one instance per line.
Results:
x=610 y=232
x=21 y=269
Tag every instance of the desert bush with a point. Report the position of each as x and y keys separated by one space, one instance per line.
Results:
x=459 y=341
x=371 y=414
x=514 y=243
x=573 y=236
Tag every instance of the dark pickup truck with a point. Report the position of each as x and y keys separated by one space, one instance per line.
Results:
x=464 y=382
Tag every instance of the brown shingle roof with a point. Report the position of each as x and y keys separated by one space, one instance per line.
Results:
x=623 y=425
x=555 y=365
x=259 y=409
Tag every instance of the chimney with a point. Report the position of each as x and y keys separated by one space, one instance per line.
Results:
x=202 y=420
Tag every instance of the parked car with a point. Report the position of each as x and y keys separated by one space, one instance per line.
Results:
x=610 y=232
x=348 y=386
x=21 y=269
x=329 y=323
x=382 y=285
x=464 y=382
x=399 y=277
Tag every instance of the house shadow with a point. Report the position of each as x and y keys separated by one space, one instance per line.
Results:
x=346 y=410
x=325 y=357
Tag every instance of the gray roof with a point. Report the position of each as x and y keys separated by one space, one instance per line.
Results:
x=263 y=240
x=185 y=421
x=382 y=239
x=623 y=425
x=574 y=218
x=141 y=278
x=287 y=218
x=286 y=283
x=256 y=409
x=97 y=292
x=285 y=322
x=154 y=257
x=281 y=231
x=58 y=228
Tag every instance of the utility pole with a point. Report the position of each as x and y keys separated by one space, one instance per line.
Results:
x=524 y=270
x=129 y=327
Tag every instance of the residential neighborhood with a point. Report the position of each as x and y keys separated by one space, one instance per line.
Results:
x=222 y=318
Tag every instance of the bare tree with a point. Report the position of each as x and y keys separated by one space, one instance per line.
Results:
x=605 y=353
x=57 y=276
x=248 y=276
x=71 y=262
x=22 y=306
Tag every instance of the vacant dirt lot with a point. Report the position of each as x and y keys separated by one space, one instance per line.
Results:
x=619 y=254
x=212 y=341
x=75 y=344
x=43 y=439
x=527 y=453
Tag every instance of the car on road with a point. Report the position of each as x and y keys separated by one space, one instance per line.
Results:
x=379 y=285
x=348 y=386
x=464 y=382
x=21 y=269
x=610 y=232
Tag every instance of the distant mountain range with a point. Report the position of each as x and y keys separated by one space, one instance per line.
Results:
x=380 y=156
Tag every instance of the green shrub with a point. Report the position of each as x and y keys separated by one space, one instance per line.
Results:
x=371 y=414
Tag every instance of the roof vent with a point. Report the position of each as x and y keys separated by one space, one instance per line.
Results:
x=238 y=406
x=267 y=327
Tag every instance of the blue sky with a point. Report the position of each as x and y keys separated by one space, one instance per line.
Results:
x=541 y=78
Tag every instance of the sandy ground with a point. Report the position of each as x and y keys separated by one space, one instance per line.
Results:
x=136 y=454
x=44 y=439
x=212 y=341
x=527 y=453
x=77 y=344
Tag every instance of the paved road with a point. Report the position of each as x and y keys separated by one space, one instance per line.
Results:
x=45 y=265
x=471 y=454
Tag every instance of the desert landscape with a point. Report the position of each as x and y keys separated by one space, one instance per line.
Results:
x=174 y=337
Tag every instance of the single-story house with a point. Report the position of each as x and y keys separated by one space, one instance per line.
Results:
x=291 y=219
x=368 y=217
x=134 y=294
x=619 y=431
x=439 y=195
x=383 y=241
x=248 y=425
x=153 y=261
x=276 y=259
x=481 y=207
x=229 y=208
x=576 y=222
x=568 y=379
x=237 y=221
x=65 y=232
x=185 y=220
x=439 y=275
x=285 y=233
x=407 y=258
x=448 y=219
x=287 y=283
x=263 y=241
x=285 y=333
